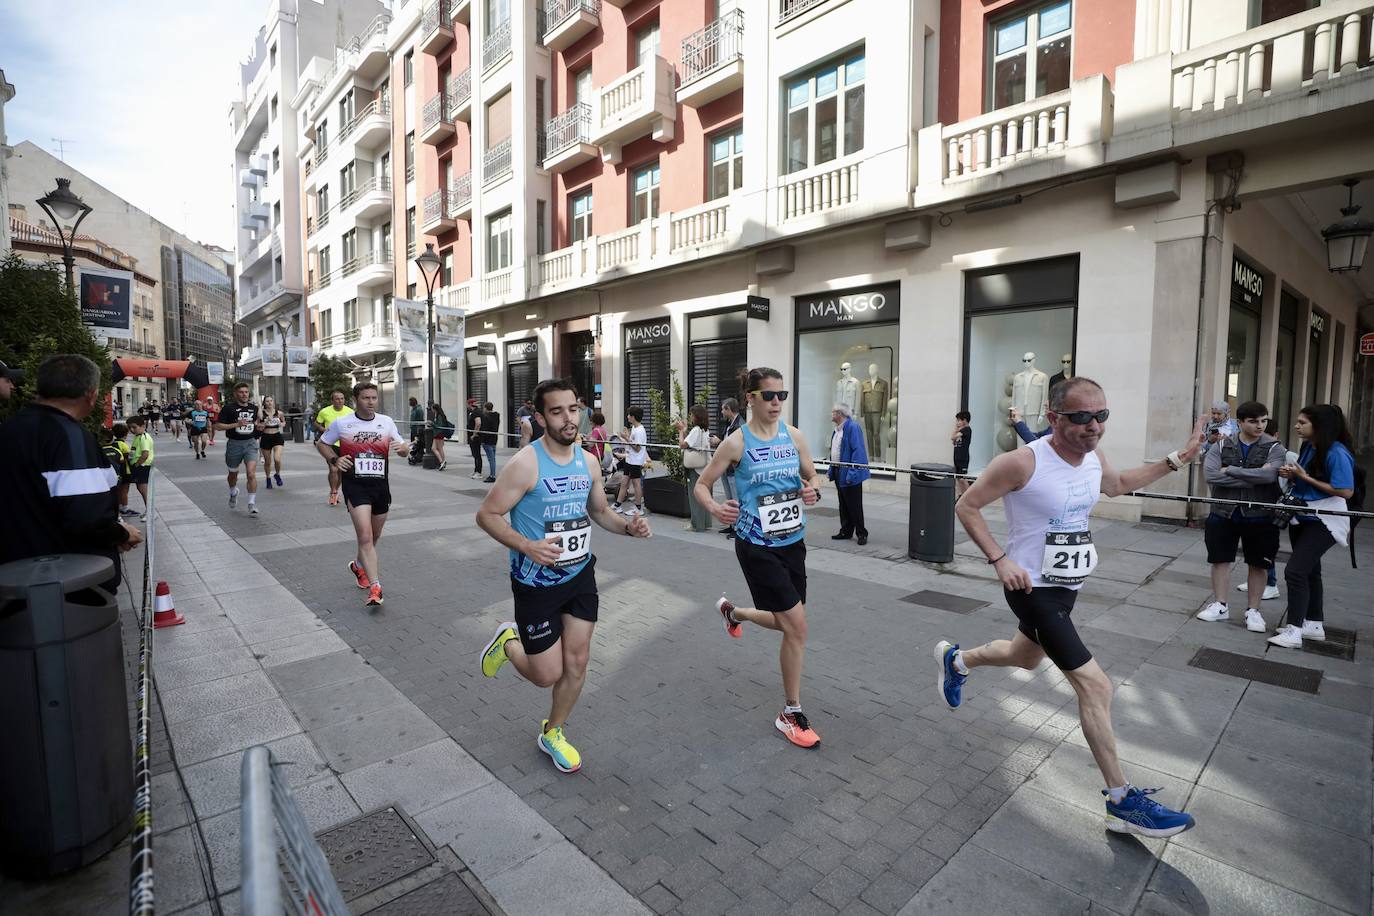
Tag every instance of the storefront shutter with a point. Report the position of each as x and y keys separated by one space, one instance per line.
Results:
x=477 y=379
x=646 y=368
x=717 y=363
x=521 y=379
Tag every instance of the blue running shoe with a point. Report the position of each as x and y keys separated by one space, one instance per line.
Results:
x=951 y=681
x=1139 y=813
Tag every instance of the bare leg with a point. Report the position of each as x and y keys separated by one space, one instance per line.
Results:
x=233 y=478
x=335 y=476
x=1094 y=691
x=542 y=670
x=252 y=469
x=267 y=462
x=577 y=647
x=363 y=527
x=276 y=457
x=1255 y=579
x=792 y=653
x=624 y=485
x=1018 y=652
x=1221 y=578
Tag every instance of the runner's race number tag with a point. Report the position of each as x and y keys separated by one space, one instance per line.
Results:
x=574 y=536
x=780 y=514
x=246 y=420
x=1070 y=557
x=369 y=466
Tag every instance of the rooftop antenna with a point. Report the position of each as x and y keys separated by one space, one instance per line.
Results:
x=62 y=147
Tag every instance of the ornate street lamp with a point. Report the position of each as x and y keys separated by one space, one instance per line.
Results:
x=429 y=265
x=61 y=205
x=1347 y=240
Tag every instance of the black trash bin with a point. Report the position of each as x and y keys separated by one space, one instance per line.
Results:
x=930 y=526
x=66 y=775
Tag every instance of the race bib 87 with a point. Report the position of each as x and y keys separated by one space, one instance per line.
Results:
x=574 y=536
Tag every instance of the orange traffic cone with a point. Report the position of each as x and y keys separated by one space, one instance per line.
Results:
x=164 y=615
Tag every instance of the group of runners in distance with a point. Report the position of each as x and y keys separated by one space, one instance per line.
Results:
x=548 y=500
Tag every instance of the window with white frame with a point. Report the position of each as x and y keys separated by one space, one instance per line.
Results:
x=582 y=86
x=322 y=135
x=540 y=227
x=644 y=192
x=346 y=108
x=1030 y=54
x=725 y=162
x=348 y=179
x=324 y=262
x=350 y=245
x=408 y=67
x=322 y=201
x=448 y=268
x=580 y=215
x=276 y=159
x=326 y=323
x=646 y=44
x=499 y=241
x=350 y=314
x=825 y=113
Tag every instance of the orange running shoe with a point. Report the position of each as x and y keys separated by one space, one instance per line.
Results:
x=360 y=574
x=333 y=497
x=796 y=729
x=374 y=595
x=732 y=626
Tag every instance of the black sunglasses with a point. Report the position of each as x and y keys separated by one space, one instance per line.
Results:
x=771 y=395
x=1084 y=417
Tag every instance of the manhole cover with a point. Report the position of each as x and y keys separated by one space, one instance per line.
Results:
x=944 y=601
x=446 y=895
x=372 y=851
x=1338 y=644
x=1278 y=674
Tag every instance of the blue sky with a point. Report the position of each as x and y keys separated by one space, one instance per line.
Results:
x=140 y=91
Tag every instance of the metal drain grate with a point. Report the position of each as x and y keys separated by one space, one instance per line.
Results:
x=943 y=601
x=1262 y=670
x=1338 y=644
x=446 y=895
x=372 y=851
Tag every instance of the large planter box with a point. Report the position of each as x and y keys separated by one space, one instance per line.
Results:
x=666 y=496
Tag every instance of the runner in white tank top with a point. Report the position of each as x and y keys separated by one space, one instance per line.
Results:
x=1048 y=490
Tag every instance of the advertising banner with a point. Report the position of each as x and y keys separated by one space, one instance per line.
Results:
x=410 y=322
x=107 y=301
x=216 y=372
x=298 y=362
x=271 y=362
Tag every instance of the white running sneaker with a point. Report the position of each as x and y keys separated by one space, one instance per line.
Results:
x=1270 y=591
x=1290 y=637
x=253 y=509
x=1313 y=629
x=1214 y=612
x=1254 y=621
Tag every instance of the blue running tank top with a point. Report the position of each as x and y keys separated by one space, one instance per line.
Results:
x=556 y=509
x=768 y=486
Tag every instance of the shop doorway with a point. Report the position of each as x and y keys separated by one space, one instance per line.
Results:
x=578 y=357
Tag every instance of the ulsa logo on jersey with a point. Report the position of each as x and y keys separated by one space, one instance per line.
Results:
x=772 y=453
x=561 y=486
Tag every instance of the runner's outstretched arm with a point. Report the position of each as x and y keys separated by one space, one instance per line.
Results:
x=1118 y=483
x=1005 y=473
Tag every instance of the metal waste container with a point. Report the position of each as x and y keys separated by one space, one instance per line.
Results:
x=930 y=526
x=66 y=774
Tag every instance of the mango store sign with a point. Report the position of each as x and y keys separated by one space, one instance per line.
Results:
x=845 y=307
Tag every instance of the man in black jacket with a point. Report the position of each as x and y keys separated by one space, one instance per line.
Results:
x=59 y=489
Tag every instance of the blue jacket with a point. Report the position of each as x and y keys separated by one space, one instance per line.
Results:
x=852 y=449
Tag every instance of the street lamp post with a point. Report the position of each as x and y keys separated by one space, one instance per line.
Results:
x=429 y=265
x=61 y=204
x=285 y=366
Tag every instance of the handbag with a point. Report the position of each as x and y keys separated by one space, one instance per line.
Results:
x=1282 y=517
x=693 y=457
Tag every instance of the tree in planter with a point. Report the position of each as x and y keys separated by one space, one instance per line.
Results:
x=665 y=425
x=41 y=319
x=328 y=373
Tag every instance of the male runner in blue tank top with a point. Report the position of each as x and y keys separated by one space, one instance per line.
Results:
x=1048 y=489
x=774 y=479
x=552 y=494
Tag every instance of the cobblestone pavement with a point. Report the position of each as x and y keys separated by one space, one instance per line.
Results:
x=693 y=802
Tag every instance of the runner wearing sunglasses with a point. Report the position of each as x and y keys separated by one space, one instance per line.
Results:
x=1049 y=489
x=774 y=479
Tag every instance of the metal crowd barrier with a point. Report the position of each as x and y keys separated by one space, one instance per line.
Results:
x=269 y=813
x=141 y=896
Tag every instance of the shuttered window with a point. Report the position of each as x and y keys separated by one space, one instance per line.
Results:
x=646 y=368
x=717 y=363
x=521 y=379
x=477 y=377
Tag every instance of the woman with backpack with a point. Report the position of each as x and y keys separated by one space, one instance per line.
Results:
x=1323 y=478
x=443 y=429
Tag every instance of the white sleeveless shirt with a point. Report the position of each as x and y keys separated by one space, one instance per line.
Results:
x=1057 y=499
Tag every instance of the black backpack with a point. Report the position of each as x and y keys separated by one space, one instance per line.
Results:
x=1356 y=504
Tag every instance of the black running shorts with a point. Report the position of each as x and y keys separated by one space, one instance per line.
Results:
x=1043 y=616
x=539 y=610
x=1259 y=541
x=776 y=575
x=374 y=493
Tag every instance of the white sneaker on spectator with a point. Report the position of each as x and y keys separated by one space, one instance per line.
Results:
x=1254 y=621
x=1270 y=591
x=1313 y=629
x=1214 y=612
x=1289 y=637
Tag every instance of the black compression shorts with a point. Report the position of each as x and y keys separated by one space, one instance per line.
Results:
x=539 y=610
x=776 y=575
x=1043 y=616
x=374 y=493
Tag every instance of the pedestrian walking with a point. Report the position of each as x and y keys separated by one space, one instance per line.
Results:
x=273 y=441
x=636 y=454
x=337 y=407
x=960 y=438
x=847 y=447
x=443 y=431
x=56 y=485
x=695 y=441
x=1324 y=478
x=417 y=430
x=775 y=479
x=1243 y=467
x=552 y=494
x=734 y=419
x=1048 y=491
x=141 y=460
x=241 y=423
x=472 y=427
x=491 y=432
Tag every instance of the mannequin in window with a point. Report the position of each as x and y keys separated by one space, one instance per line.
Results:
x=847 y=387
x=873 y=404
x=1030 y=390
x=1065 y=370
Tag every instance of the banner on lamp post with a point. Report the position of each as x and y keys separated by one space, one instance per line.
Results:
x=449 y=332
x=410 y=321
x=298 y=362
x=272 y=362
x=107 y=301
x=216 y=372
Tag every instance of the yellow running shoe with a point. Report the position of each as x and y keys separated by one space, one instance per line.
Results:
x=565 y=757
x=494 y=655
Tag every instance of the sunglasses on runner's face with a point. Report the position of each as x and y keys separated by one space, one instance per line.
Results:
x=1084 y=417
x=770 y=395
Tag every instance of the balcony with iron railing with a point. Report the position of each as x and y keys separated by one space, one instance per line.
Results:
x=568 y=139
x=791 y=9
x=369 y=200
x=370 y=127
x=460 y=197
x=713 y=60
x=372 y=268
x=434 y=216
x=460 y=11
x=566 y=21
x=496 y=45
x=436 y=27
x=410 y=173
x=436 y=120
x=642 y=102
x=496 y=162
x=460 y=96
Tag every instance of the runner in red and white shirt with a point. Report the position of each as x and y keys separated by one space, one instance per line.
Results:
x=366 y=440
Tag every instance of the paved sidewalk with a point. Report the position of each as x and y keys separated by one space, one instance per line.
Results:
x=691 y=802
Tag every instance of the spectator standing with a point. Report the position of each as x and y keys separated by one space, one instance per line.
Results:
x=473 y=427
x=847 y=447
x=58 y=489
x=584 y=419
x=1243 y=467
x=141 y=460
x=117 y=452
x=1221 y=426
x=695 y=441
x=633 y=466
x=8 y=379
x=1324 y=476
x=491 y=431
x=530 y=429
x=417 y=429
x=734 y=419
x=443 y=430
x=596 y=439
x=960 y=438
